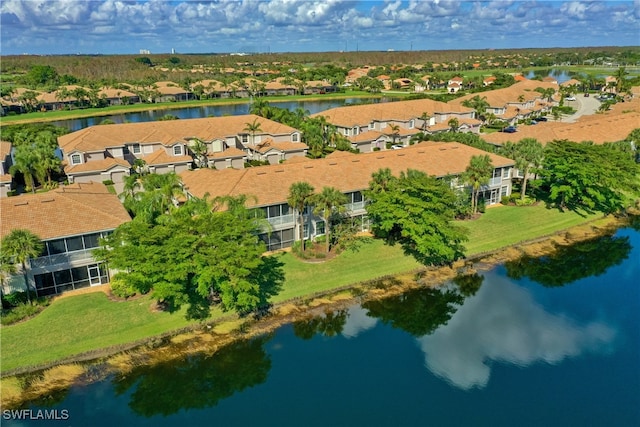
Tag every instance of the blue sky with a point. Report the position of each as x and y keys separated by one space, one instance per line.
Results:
x=192 y=26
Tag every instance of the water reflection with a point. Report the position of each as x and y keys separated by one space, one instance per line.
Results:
x=571 y=263
x=503 y=323
x=418 y=312
x=212 y=111
x=196 y=382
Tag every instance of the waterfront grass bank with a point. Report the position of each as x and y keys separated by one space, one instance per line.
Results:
x=90 y=322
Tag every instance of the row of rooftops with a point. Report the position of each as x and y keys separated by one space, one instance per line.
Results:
x=89 y=207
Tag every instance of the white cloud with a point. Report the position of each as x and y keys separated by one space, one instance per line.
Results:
x=503 y=323
x=27 y=25
x=357 y=322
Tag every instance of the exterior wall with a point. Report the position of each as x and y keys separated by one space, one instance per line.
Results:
x=67 y=264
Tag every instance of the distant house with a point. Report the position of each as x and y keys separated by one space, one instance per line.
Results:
x=70 y=222
x=170 y=91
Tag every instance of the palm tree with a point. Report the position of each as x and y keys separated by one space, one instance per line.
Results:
x=300 y=194
x=528 y=154
x=381 y=180
x=477 y=174
x=621 y=80
x=199 y=149
x=24 y=161
x=20 y=246
x=479 y=104
x=328 y=201
x=425 y=117
x=252 y=128
x=454 y=124
x=395 y=130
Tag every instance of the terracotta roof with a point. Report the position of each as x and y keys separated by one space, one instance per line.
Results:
x=499 y=98
x=361 y=115
x=96 y=166
x=280 y=146
x=67 y=211
x=5 y=149
x=599 y=129
x=228 y=153
x=270 y=184
x=160 y=157
x=97 y=138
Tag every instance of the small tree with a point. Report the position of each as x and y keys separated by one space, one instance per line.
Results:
x=252 y=128
x=328 y=201
x=300 y=193
x=20 y=246
x=477 y=174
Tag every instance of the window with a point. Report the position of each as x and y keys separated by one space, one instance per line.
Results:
x=356 y=197
x=91 y=240
x=356 y=131
x=496 y=173
x=305 y=233
x=278 y=210
x=76 y=159
x=503 y=191
x=135 y=149
x=177 y=150
x=412 y=124
x=320 y=227
x=56 y=246
x=294 y=137
x=371 y=126
x=74 y=244
x=245 y=138
x=505 y=173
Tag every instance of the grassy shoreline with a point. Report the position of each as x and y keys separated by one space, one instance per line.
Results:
x=207 y=338
x=49 y=116
x=100 y=324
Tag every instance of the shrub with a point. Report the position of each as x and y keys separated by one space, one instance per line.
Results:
x=120 y=288
x=21 y=312
x=505 y=200
x=107 y=182
x=14 y=299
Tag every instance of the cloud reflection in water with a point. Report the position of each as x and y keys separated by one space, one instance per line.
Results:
x=503 y=323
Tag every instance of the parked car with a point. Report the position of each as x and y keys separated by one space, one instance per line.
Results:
x=510 y=129
x=586 y=95
x=570 y=98
x=541 y=119
x=397 y=147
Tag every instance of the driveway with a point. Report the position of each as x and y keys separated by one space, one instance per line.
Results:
x=584 y=106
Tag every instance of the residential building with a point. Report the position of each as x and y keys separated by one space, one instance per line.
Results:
x=518 y=101
x=349 y=173
x=412 y=117
x=5 y=163
x=70 y=221
x=107 y=152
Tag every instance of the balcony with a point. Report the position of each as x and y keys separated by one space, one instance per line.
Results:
x=357 y=206
x=64 y=258
x=281 y=220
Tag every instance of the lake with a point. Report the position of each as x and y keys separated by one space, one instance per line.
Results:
x=313 y=106
x=551 y=341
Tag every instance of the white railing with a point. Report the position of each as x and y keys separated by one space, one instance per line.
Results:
x=351 y=207
x=495 y=181
x=64 y=258
x=280 y=220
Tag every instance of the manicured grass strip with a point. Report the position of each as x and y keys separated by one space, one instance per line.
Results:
x=82 y=323
x=372 y=260
x=503 y=226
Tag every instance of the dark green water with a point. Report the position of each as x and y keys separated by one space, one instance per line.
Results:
x=552 y=341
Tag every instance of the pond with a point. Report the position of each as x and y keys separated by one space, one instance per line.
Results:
x=314 y=106
x=549 y=341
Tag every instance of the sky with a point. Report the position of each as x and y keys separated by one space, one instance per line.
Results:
x=250 y=26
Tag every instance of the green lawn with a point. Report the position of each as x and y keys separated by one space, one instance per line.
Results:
x=87 y=322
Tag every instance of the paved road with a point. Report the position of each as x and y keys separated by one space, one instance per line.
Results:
x=583 y=106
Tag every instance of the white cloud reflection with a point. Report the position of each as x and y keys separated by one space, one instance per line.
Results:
x=503 y=323
x=357 y=321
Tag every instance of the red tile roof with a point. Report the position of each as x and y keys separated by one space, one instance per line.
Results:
x=70 y=210
x=270 y=184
